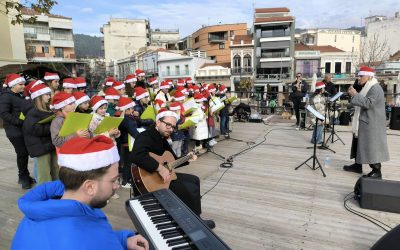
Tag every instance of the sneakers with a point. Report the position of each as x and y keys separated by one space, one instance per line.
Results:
x=356 y=168
x=126 y=185
x=212 y=142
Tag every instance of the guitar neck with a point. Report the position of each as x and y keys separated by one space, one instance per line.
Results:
x=180 y=161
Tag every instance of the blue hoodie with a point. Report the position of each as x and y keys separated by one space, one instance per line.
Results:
x=52 y=223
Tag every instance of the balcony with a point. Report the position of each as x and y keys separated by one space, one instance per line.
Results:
x=216 y=39
x=173 y=74
x=275 y=54
x=242 y=71
x=273 y=77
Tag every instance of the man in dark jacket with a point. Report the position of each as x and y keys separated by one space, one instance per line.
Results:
x=299 y=90
x=330 y=89
x=154 y=140
x=11 y=100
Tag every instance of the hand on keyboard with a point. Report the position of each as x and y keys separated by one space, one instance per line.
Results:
x=137 y=242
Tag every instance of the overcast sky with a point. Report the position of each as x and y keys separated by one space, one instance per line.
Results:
x=188 y=15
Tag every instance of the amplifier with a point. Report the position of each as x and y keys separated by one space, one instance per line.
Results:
x=378 y=194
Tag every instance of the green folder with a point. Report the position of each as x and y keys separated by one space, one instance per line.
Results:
x=149 y=113
x=107 y=124
x=47 y=120
x=188 y=123
x=74 y=122
x=189 y=106
x=232 y=99
x=21 y=116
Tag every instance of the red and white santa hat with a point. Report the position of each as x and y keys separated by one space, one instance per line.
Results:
x=12 y=80
x=61 y=100
x=179 y=96
x=80 y=82
x=82 y=154
x=140 y=72
x=159 y=104
x=175 y=106
x=182 y=89
x=170 y=81
x=111 y=94
x=222 y=89
x=319 y=85
x=109 y=81
x=164 y=85
x=141 y=93
x=206 y=94
x=366 y=71
x=80 y=98
x=211 y=88
x=163 y=112
x=153 y=80
x=96 y=102
x=130 y=78
x=124 y=103
x=118 y=85
x=180 y=82
x=199 y=97
x=28 y=87
x=69 y=83
x=189 y=80
x=196 y=89
x=38 y=90
x=51 y=76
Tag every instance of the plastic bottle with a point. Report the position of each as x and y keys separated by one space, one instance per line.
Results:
x=327 y=162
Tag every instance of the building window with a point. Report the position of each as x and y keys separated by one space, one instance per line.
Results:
x=177 y=70
x=348 y=67
x=168 y=71
x=196 y=39
x=222 y=46
x=45 y=49
x=335 y=38
x=59 y=52
x=231 y=34
x=247 y=62
x=338 y=67
x=353 y=38
x=327 y=67
x=236 y=61
x=186 y=69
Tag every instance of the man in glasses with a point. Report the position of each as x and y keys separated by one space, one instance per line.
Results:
x=299 y=90
x=155 y=140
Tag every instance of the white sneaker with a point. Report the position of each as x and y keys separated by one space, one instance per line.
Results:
x=212 y=142
x=127 y=185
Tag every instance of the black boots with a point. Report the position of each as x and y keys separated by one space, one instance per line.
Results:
x=356 y=168
x=26 y=182
x=376 y=171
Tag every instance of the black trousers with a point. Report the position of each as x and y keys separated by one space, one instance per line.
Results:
x=187 y=188
x=126 y=163
x=296 y=106
x=22 y=155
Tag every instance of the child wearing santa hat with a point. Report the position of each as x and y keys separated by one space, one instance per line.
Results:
x=69 y=85
x=177 y=136
x=82 y=102
x=52 y=80
x=141 y=103
x=99 y=107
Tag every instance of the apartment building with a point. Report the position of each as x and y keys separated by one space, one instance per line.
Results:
x=273 y=37
x=165 y=38
x=49 y=39
x=242 y=55
x=215 y=40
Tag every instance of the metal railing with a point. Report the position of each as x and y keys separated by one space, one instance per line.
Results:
x=242 y=71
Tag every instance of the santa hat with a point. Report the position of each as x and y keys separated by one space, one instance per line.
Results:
x=153 y=80
x=96 y=102
x=111 y=94
x=139 y=72
x=51 y=76
x=182 y=89
x=124 y=103
x=165 y=112
x=61 y=100
x=366 y=71
x=13 y=79
x=69 y=83
x=109 y=81
x=319 y=85
x=199 y=97
x=141 y=93
x=38 y=90
x=118 y=85
x=82 y=154
x=196 y=89
x=206 y=94
x=222 y=89
x=80 y=82
x=175 y=106
x=211 y=88
x=164 y=85
x=80 y=98
x=159 y=104
x=29 y=86
x=180 y=82
x=179 y=96
x=130 y=78
x=169 y=81
x=189 y=80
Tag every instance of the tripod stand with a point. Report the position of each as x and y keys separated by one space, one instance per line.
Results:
x=314 y=156
x=333 y=132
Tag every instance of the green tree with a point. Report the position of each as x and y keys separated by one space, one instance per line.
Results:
x=14 y=9
x=245 y=85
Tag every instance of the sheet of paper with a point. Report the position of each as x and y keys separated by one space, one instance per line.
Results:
x=315 y=113
x=335 y=97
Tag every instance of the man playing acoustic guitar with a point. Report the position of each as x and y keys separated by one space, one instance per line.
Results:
x=154 y=140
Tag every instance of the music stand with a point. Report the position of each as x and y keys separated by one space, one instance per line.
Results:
x=314 y=157
x=333 y=132
x=323 y=145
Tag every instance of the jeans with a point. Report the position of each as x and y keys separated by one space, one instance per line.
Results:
x=177 y=147
x=224 y=125
x=320 y=129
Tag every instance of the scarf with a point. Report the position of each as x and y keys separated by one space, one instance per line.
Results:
x=357 y=111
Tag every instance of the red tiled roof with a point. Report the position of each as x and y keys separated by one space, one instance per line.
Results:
x=274 y=19
x=32 y=12
x=246 y=39
x=325 y=48
x=272 y=10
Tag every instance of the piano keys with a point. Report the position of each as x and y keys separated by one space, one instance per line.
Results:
x=167 y=223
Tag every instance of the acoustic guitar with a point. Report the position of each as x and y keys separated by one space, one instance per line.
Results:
x=146 y=182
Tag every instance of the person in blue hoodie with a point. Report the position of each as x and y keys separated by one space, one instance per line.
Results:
x=66 y=214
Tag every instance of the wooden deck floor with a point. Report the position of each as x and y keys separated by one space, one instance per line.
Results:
x=261 y=202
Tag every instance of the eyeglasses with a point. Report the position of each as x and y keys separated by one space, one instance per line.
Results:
x=169 y=125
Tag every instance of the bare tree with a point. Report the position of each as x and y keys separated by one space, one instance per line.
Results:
x=374 y=50
x=14 y=9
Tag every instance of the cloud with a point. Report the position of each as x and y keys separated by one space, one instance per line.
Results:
x=86 y=10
